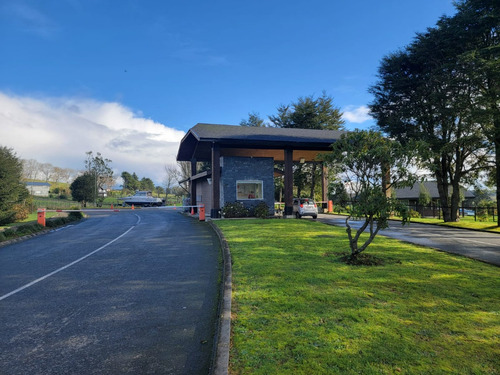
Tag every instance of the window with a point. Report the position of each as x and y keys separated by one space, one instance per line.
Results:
x=249 y=190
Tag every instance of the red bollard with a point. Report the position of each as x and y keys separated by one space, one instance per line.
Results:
x=202 y=213
x=330 y=206
x=41 y=216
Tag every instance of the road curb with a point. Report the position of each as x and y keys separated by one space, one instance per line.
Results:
x=221 y=361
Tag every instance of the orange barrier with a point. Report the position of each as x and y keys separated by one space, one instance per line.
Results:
x=202 y=213
x=41 y=216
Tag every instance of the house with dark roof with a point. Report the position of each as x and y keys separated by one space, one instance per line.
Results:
x=38 y=189
x=242 y=162
x=411 y=195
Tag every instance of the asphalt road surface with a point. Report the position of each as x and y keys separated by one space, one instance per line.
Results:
x=132 y=292
x=473 y=244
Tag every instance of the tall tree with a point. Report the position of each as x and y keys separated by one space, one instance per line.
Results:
x=12 y=189
x=425 y=93
x=83 y=188
x=99 y=167
x=477 y=25
x=171 y=177
x=308 y=113
x=147 y=184
x=254 y=119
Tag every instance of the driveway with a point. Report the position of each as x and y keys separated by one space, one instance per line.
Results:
x=133 y=292
x=483 y=246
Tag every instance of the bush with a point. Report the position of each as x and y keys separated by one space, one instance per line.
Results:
x=261 y=211
x=21 y=212
x=234 y=209
x=414 y=214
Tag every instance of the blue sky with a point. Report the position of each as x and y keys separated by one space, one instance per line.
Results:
x=129 y=78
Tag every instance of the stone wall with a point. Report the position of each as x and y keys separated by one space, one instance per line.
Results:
x=247 y=169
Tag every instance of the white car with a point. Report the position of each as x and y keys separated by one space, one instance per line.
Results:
x=304 y=207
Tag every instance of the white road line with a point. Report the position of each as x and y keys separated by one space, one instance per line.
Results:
x=68 y=265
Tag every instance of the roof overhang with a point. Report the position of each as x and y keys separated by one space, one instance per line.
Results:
x=255 y=142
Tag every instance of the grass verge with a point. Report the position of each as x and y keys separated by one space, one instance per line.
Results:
x=298 y=310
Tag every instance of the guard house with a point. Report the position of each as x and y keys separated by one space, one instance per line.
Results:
x=242 y=162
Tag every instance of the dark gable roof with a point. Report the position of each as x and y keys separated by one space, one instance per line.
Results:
x=37 y=184
x=431 y=186
x=254 y=137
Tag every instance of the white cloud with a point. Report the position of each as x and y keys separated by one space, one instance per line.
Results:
x=60 y=130
x=357 y=114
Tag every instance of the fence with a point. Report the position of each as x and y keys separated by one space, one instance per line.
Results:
x=476 y=213
x=479 y=213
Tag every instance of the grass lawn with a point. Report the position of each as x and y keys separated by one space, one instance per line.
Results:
x=465 y=222
x=298 y=310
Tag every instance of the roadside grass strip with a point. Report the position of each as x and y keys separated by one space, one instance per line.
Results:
x=297 y=309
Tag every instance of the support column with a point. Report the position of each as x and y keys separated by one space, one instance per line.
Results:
x=288 y=182
x=324 y=185
x=192 y=184
x=215 y=211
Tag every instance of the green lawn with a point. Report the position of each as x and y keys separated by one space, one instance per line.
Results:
x=298 y=310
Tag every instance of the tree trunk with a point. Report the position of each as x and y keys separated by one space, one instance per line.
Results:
x=455 y=201
x=442 y=185
x=497 y=164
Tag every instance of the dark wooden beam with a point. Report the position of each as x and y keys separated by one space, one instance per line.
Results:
x=215 y=212
x=192 y=183
x=288 y=182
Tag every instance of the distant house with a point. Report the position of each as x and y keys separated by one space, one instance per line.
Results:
x=411 y=194
x=38 y=189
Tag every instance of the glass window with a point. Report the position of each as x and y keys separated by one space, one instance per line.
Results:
x=249 y=190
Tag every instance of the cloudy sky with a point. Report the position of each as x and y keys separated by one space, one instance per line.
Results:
x=128 y=78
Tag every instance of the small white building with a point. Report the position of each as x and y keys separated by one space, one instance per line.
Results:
x=38 y=189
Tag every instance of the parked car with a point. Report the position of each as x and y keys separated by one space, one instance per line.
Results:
x=304 y=207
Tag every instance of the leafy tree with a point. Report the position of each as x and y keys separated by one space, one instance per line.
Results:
x=309 y=113
x=99 y=167
x=424 y=197
x=372 y=165
x=254 y=119
x=339 y=195
x=83 y=188
x=130 y=181
x=477 y=25
x=425 y=93
x=12 y=190
x=147 y=184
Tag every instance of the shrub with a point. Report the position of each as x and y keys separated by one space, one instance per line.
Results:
x=74 y=216
x=234 y=209
x=261 y=211
x=21 y=212
x=414 y=214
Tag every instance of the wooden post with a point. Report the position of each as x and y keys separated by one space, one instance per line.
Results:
x=192 y=184
x=288 y=182
x=215 y=211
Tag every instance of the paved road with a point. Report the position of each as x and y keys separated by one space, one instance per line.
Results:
x=139 y=298
x=473 y=244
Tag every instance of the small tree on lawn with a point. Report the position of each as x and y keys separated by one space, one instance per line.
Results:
x=82 y=189
x=371 y=166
